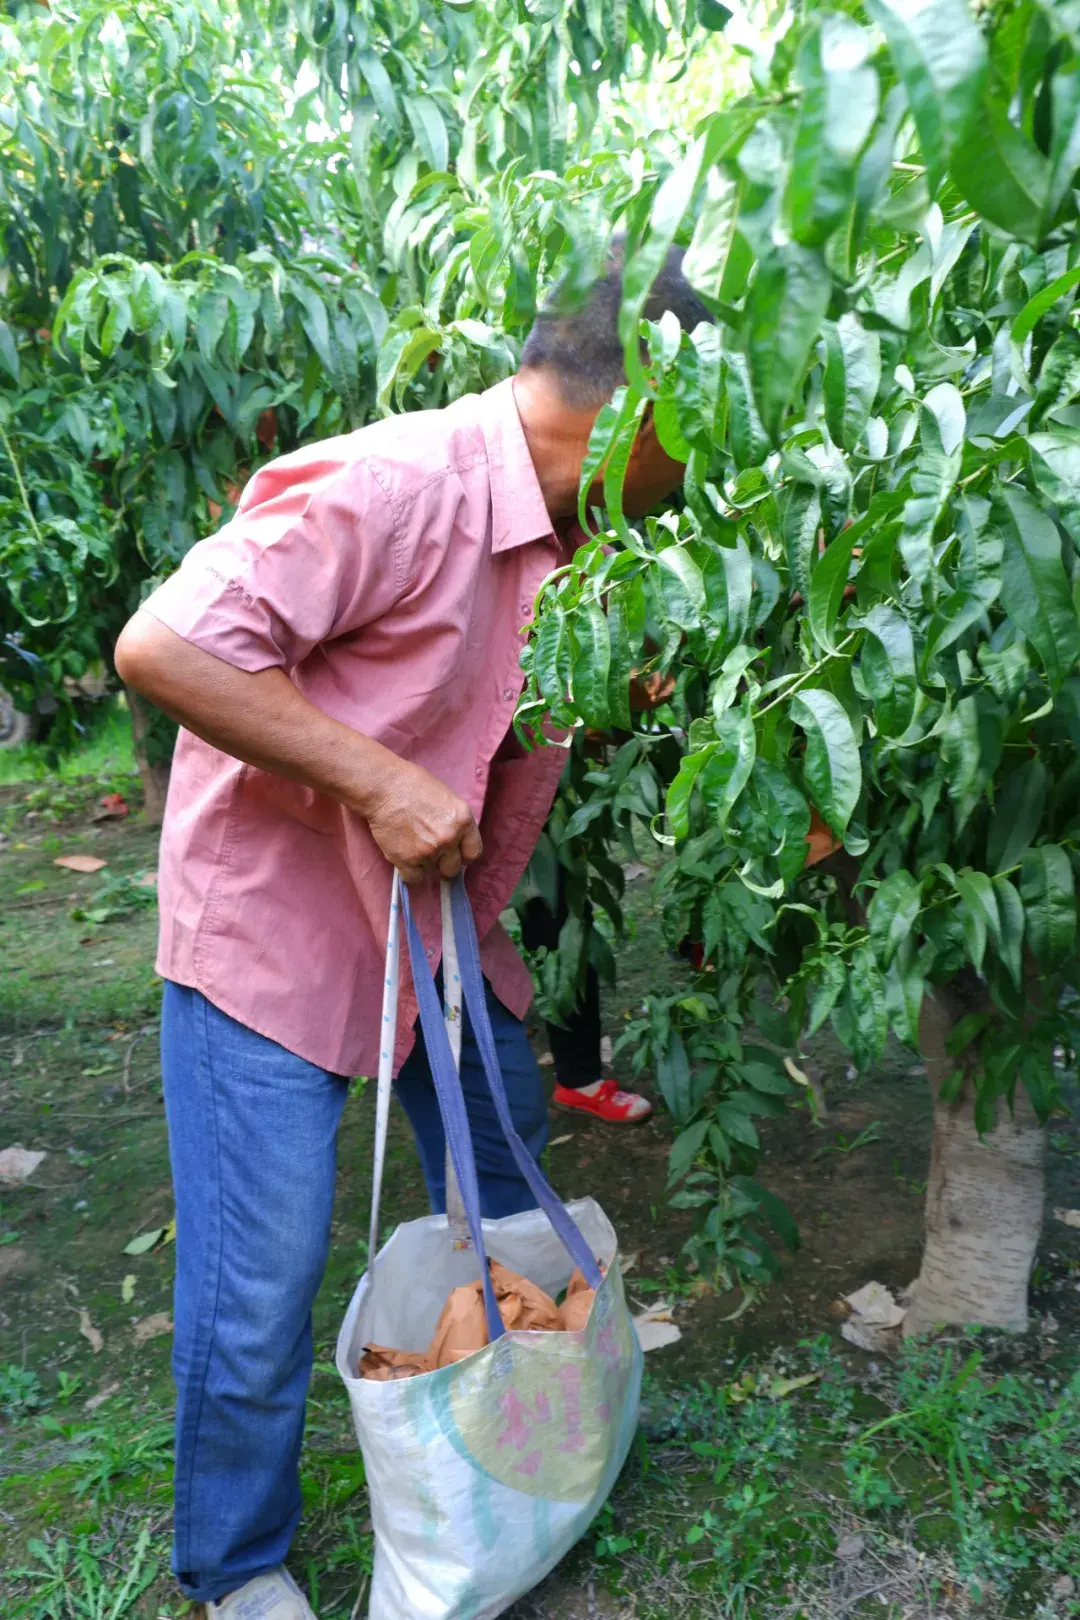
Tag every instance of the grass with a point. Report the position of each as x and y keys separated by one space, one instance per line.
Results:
x=950 y=1478
x=779 y=1475
x=105 y=751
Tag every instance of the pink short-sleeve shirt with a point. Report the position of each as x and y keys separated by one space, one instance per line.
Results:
x=391 y=572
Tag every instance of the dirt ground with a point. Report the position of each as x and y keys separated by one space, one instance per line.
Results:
x=79 y=1081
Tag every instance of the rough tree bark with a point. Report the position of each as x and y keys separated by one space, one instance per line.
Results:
x=984 y=1198
x=153 y=772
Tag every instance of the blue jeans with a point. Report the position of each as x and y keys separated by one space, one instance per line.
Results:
x=252 y=1132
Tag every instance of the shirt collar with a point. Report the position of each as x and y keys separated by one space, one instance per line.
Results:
x=518 y=512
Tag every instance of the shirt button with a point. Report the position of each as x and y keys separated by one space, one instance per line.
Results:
x=431 y=950
x=507 y=695
x=526 y=611
x=479 y=770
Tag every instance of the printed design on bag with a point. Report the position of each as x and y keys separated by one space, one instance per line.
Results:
x=543 y=1415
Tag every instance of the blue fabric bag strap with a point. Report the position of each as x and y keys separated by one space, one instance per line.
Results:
x=451 y=1104
x=472 y=981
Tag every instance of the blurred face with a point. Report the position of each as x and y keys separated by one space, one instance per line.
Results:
x=651 y=474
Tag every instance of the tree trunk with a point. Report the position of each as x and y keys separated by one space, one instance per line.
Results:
x=984 y=1198
x=153 y=770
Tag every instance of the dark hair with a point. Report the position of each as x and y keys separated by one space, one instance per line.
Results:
x=581 y=346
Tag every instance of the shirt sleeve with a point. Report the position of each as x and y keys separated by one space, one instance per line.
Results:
x=311 y=555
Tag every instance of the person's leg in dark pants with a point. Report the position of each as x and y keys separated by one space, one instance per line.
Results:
x=252 y=1132
x=503 y=1189
x=575 y=1045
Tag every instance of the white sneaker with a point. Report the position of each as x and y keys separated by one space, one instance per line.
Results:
x=275 y=1596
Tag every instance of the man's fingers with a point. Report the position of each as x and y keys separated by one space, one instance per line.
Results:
x=472 y=845
x=411 y=874
x=450 y=862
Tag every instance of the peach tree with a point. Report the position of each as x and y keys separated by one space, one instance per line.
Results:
x=868 y=595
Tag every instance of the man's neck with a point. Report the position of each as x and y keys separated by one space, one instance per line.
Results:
x=557 y=437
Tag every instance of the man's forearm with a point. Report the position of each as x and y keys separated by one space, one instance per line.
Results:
x=419 y=823
x=259 y=718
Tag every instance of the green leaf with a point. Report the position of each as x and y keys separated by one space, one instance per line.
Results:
x=732 y=672
x=1043 y=301
x=712 y=14
x=749 y=441
x=892 y=913
x=1034 y=587
x=785 y=309
x=685 y=1149
x=1018 y=815
x=941 y=58
x=642 y=268
x=621 y=663
x=430 y=130
x=1048 y=893
x=728 y=770
x=866 y=988
x=9 y=354
x=677 y=561
x=852 y=378
x=145 y=1241
x=591 y=665
x=380 y=86
x=612 y=423
x=735 y=1124
x=832 y=768
x=1055 y=467
x=904 y=991
x=551 y=638
x=675 y=1080
x=786 y=817
x=678 y=794
x=956 y=615
x=1000 y=171
x=836 y=115
x=618 y=460
x=980 y=914
x=772 y=1208
x=1011 y=912
x=1059 y=377
x=827 y=582
x=888 y=668
x=800 y=521
x=706 y=259
x=728 y=576
x=832 y=986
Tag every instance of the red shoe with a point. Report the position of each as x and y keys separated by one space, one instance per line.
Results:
x=608 y=1103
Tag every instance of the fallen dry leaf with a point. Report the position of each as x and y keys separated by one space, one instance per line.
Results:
x=606 y=1050
x=654 y=1327
x=100 y=1398
x=559 y=1140
x=1068 y=1217
x=145 y=1241
x=655 y=1335
x=80 y=863
x=875 y=1321
x=546 y=1060
x=850 y=1546
x=17 y=1164
x=89 y=1331
x=780 y=1388
x=634 y=871
x=127 y=1288
x=152 y=1327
